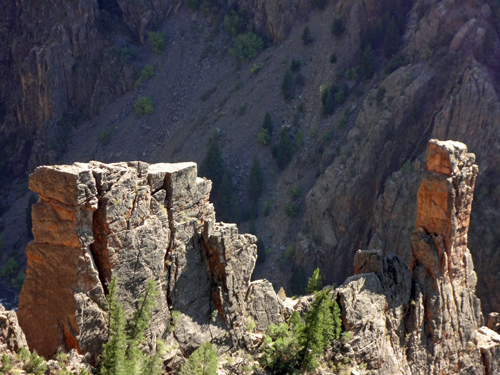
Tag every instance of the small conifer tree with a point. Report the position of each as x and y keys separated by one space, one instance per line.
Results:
x=212 y=166
x=283 y=152
x=315 y=282
x=256 y=180
x=122 y=354
x=367 y=63
x=306 y=36
x=268 y=123
x=288 y=86
x=203 y=361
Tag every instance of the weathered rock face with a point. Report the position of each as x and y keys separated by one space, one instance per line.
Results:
x=11 y=335
x=355 y=202
x=137 y=222
x=425 y=320
x=374 y=304
x=446 y=313
x=60 y=58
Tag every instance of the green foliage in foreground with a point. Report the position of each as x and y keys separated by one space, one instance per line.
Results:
x=35 y=365
x=299 y=344
x=122 y=353
x=203 y=361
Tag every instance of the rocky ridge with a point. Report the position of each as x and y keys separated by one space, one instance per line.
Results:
x=138 y=221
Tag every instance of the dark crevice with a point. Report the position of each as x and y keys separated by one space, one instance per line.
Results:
x=99 y=248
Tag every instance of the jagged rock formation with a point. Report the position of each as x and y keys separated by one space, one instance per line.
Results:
x=11 y=335
x=426 y=320
x=137 y=222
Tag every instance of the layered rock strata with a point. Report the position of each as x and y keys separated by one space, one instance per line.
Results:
x=425 y=320
x=137 y=222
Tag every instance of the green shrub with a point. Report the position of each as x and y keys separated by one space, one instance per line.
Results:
x=300 y=79
x=147 y=72
x=296 y=65
x=281 y=349
x=268 y=123
x=338 y=27
x=255 y=69
x=261 y=252
x=143 y=106
x=203 y=361
x=251 y=325
x=351 y=73
x=407 y=166
x=175 y=315
x=291 y=209
x=60 y=356
x=22 y=354
x=367 y=63
x=226 y=203
x=212 y=165
x=263 y=137
x=157 y=41
x=234 y=23
x=36 y=364
x=306 y=36
x=246 y=46
x=6 y=366
x=328 y=101
x=283 y=152
x=295 y=191
x=288 y=86
x=256 y=184
x=10 y=268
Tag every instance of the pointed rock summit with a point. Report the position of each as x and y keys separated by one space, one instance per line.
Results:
x=425 y=319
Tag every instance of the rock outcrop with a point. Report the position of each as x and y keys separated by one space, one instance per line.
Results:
x=11 y=335
x=425 y=320
x=137 y=222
